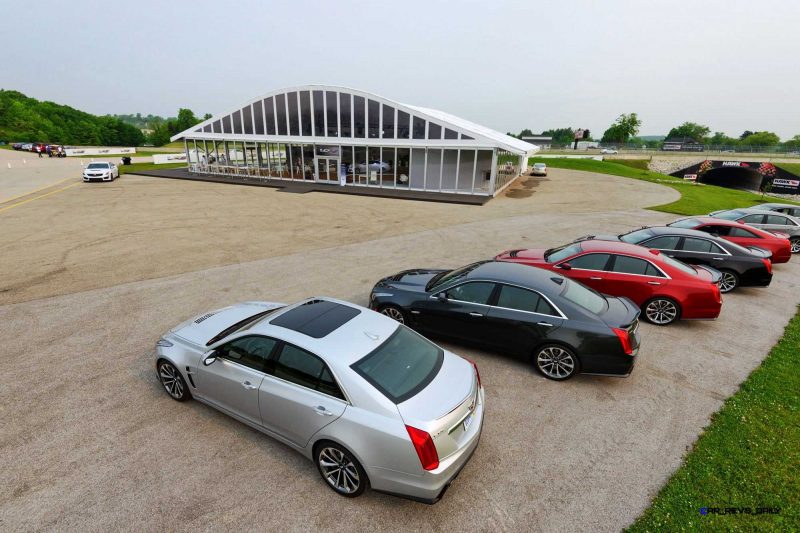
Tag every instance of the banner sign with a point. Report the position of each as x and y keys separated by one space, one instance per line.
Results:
x=690 y=177
x=785 y=183
x=99 y=151
x=160 y=159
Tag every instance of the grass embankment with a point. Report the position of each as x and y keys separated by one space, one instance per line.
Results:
x=748 y=457
x=696 y=199
x=135 y=167
x=794 y=168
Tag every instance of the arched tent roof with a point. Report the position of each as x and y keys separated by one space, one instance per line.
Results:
x=470 y=134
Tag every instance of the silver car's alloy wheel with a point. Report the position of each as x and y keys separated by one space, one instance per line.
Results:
x=171 y=379
x=795 y=246
x=728 y=282
x=394 y=313
x=339 y=471
x=661 y=312
x=555 y=362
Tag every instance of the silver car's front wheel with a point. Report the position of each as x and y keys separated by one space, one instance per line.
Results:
x=173 y=382
x=394 y=313
x=795 y=246
x=340 y=470
x=556 y=362
x=661 y=311
x=728 y=281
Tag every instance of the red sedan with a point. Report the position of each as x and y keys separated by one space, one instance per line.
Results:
x=664 y=288
x=742 y=234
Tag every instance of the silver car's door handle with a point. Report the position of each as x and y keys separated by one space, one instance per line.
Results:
x=595 y=278
x=247 y=385
x=546 y=324
x=475 y=314
x=320 y=410
x=653 y=283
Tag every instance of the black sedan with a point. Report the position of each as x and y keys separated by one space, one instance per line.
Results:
x=739 y=266
x=560 y=325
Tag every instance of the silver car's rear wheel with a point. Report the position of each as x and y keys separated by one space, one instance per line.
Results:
x=341 y=470
x=172 y=381
x=394 y=313
x=795 y=246
x=728 y=281
x=556 y=362
x=661 y=311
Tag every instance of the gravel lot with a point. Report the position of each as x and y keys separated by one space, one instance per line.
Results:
x=91 y=276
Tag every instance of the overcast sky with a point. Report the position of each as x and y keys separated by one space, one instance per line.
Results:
x=729 y=64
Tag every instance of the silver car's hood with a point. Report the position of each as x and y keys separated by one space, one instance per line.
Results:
x=200 y=329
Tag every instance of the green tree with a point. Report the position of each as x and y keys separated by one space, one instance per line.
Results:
x=625 y=127
x=761 y=138
x=720 y=139
x=698 y=132
x=793 y=143
x=746 y=133
x=561 y=135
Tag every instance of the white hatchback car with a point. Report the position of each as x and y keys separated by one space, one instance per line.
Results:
x=102 y=171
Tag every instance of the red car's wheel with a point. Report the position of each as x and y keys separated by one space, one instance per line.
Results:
x=662 y=311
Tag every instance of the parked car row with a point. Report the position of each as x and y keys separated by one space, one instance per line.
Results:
x=372 y=402
x=52 y=150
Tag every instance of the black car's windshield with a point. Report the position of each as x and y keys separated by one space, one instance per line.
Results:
x=733 y=214
x=679 y=265
x=402 y=366
x=451 y=275
x=583 y=296
x=635 y=237
x=687 y=223
x=555 y=255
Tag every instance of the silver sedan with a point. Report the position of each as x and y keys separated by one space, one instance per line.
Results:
x=370 y=401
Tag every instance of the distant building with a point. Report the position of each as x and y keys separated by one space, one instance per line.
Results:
x=682 y=144
x=542 y=141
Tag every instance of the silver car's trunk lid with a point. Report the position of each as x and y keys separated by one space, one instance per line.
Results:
x=445 y=406
x=200 y=329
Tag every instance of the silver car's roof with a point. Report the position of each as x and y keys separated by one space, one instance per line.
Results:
x=341 y=347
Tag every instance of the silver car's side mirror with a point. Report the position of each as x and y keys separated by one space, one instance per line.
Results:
x=210 y=358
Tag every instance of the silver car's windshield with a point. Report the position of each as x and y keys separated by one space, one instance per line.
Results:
x=402 y=366
x=584 y=297
x=687 y=223
x=635 y=237
x=554 y=255
x=730 y=215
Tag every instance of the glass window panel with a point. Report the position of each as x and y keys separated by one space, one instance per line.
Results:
x=388 y=122
x=344 y=115
x=590 y=262
x=692 y=244
x=450 y=134
x=403 y=128
x=346 y=155
x=666 y=242
x=403 y=157
x=434 y=131
x=630 y=265
x=465 y=167
x=653 y=271
x=387 y=156
x=374 y=116
x=319 y=114
x=466 y=138
x=449 y=164
x=375 y=165
x=247 y=117
x=419 y=128
x=269 y=114
x=474 y=292
x=226 y=124
x=360 y=167
x=294 y=114
x=258 y=113
x=305 y=113
x=483 y=176
x=359 y=125
x=217 y=127
x=434 y=168
x=308 y=161
x=519 y=299
x=251 y=352
x=417 y=168
x=333 y=120
x=298 y=366
x=207 y=128
x=237 y=121
x=280 y=113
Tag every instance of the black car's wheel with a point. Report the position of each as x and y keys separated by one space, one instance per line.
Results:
x=728 y=281
x=661 y=311
x=795 y=245
x=394 y=312
x=556 y=362
x=340 y=469
x=173 y=382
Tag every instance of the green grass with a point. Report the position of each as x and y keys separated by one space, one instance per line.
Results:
x=749 y=456
x=135 y=167
x=794 y=168
x=640 y=164
x=696 y=199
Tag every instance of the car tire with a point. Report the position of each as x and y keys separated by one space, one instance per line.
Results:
x=171 y=379
x=556 y=362
x=661 y=311
x=728 y=282
x=795 y=243
x=395 y=313
x=340 y=470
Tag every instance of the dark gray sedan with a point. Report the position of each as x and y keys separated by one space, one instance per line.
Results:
x=560 y=325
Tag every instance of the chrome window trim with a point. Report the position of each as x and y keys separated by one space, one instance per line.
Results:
x=684 y=237
x=563 y=316
x=665 y=275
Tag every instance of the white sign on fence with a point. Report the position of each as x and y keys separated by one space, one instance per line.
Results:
x=99 y=151
x=161 y=159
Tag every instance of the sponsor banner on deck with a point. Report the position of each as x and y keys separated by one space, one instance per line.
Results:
x=98 y=151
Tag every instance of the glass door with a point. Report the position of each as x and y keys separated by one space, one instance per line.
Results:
x=328 y=169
